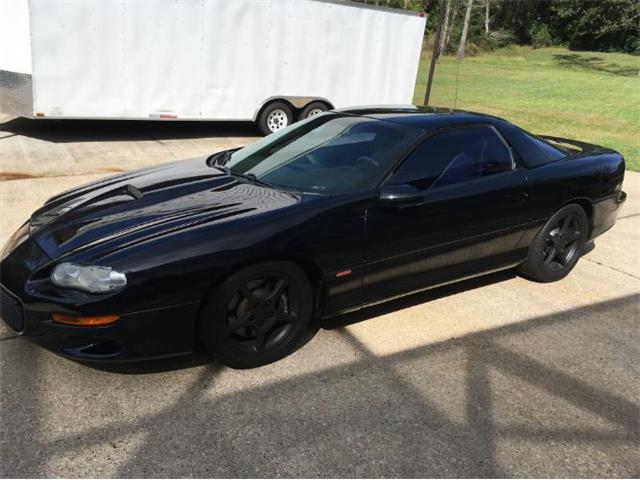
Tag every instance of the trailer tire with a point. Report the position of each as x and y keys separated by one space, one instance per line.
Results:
x=275 y=116
x=313 y=109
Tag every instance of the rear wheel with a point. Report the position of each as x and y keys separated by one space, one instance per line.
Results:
x=258 y=315
x=556 y=248
x=312 y=110
x=275 y=116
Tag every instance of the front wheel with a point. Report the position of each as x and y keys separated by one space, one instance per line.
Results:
x=556 y=248
x=258 y=315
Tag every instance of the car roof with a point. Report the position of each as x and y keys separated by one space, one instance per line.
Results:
x=424 y=118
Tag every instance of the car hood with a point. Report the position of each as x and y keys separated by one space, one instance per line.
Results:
x=139 y=205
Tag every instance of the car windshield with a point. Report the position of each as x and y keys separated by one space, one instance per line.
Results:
x=329 y=153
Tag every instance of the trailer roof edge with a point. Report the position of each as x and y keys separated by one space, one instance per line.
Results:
x=349 y=3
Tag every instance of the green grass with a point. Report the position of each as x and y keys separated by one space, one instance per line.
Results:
x=588 y=96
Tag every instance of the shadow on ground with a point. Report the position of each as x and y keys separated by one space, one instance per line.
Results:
x=593 y=63
x=492 y=403
x=77 y=131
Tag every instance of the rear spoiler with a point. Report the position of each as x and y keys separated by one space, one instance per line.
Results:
x=573 y=147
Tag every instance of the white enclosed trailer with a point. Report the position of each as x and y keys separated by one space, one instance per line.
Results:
x=271 y=61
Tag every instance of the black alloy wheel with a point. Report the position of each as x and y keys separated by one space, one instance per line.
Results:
x=562 y=242
x=262 y=313
x=558 y=245
x=258 y=315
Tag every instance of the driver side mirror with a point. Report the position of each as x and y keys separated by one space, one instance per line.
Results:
x=400 y=196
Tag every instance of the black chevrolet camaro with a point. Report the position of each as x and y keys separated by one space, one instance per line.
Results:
x=244 y=250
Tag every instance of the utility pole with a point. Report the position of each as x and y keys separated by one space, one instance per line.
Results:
x=436 y=53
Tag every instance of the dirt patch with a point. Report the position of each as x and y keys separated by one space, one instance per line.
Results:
x=6 y=176
x=15 y=176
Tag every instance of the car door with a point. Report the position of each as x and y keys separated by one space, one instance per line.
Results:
x=466 y=216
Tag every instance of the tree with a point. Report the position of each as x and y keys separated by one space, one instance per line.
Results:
x=486 y=17
x=454 y=15
x=606 y=26
x=599 y=25
x=443 y=35
x=465 y=30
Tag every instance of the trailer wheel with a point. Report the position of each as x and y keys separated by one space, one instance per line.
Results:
x=274 y=117
x=313 y=109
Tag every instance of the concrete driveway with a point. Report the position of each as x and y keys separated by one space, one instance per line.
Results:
x=494 y=377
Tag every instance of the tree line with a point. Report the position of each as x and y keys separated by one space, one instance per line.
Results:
x=595 y=25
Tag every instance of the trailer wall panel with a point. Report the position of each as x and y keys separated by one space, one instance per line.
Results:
x=78 y=57
x=216 y=59
x=240 y=58
x=15 y=44
x=163 y=58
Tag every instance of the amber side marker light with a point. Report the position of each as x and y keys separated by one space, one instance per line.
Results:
x=85 y=321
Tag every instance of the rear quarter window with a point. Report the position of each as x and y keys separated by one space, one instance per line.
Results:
x=532 y=151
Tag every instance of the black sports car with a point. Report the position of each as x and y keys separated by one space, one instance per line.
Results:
x=242 y=250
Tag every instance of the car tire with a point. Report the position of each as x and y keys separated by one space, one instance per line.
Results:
x=275 y=116
x=252 y=319
x=557 y=247
x=313 y=109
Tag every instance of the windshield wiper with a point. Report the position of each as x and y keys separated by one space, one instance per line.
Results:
x=247 y=176
x=219 y=161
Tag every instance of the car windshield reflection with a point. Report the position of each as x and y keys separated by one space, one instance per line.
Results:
x=330 y=153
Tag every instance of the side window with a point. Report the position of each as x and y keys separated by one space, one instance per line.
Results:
x=533 y=151
x=454 y=157
x=427 y=162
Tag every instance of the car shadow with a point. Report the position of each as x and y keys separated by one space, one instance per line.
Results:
x=80 y=131
x=200 y=357
x=510 y=401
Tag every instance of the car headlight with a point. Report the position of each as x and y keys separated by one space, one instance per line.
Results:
x=92 y=279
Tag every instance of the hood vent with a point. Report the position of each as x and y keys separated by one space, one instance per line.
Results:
x=133 y=191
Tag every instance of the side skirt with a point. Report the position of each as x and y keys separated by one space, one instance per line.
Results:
x=411 y=292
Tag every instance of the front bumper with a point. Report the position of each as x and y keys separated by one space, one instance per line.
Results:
x=142 y=335
x=139 y=334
